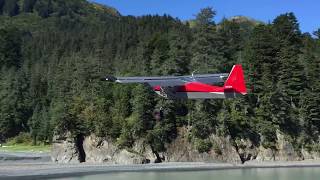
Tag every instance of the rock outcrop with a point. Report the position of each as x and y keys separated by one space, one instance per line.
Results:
x=310 y=155
x=247 y=151
x=102 y=150
x=182 y=149
x=64 y=149
x=265 y=154
x=285 y=149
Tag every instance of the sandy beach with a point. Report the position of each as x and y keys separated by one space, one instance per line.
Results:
x=38 y=166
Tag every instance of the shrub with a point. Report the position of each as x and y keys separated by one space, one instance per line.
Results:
x=316 y=147
x=271 y=145
x=22 y=138
x=203 y=145
x=217 y=149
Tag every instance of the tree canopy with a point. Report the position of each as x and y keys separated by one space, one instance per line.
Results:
x=54 y=52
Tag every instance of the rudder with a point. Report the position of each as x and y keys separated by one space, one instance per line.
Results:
x=236 y=80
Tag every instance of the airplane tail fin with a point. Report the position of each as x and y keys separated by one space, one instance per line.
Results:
x=235 y=81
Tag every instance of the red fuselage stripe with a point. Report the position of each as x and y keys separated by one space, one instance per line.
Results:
x=195 y=87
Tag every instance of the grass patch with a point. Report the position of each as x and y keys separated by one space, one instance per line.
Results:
x=23 y=143
x=25 y=148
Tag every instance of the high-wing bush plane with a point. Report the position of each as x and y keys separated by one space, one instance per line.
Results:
x=201 y=86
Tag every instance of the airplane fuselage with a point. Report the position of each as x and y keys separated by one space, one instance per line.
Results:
x=196 y=90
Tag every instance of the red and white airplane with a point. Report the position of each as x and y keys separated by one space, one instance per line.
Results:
x=195 y=86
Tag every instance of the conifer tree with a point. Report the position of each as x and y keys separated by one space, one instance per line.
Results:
x=202 y=48
x=1 y=6
x=10 y=48
x=28 y=5
x=178 y=60
x=44 y=8
x=11 y=8
x=291 y=76
x=142 y=108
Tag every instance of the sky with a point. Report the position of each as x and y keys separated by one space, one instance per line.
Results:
x=307 y=11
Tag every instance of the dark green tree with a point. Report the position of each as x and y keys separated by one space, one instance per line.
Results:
x=121 y=109
x=260 y=60
x=14 y=104
x=28 y=5
x=1 y=6
x=205 y=17
x=10 y=48
x=317 y=33
x=286 y=30
x=203 y=59
x=44 y=8
x=11 y=8
x=178 y=61
x=142 y=109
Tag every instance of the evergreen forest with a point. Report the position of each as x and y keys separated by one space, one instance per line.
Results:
x=53 y=54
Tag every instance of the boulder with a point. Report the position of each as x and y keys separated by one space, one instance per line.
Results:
x=143 y=148
x=103 y=150
x=225 y=151
x=265 y=154
x=99 y=149
x=126 y=157
x=246 y=150
x=64 y=149
x=183 y=150
x=285 y=149
x=310 y=155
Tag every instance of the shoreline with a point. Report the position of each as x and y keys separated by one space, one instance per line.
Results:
x=52 y=170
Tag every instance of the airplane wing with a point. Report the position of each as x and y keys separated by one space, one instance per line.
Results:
x=166 y=81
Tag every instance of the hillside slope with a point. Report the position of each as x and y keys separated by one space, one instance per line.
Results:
x=53 y=54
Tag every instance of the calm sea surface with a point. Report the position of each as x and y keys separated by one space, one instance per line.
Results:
x=234 y=174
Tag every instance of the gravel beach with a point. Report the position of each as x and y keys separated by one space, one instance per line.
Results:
x=38 y=166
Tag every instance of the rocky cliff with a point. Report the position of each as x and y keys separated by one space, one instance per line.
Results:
x=102 y=150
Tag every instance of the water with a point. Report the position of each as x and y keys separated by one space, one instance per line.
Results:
x=233 y=174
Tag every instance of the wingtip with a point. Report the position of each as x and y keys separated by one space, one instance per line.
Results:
x=110 y=78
